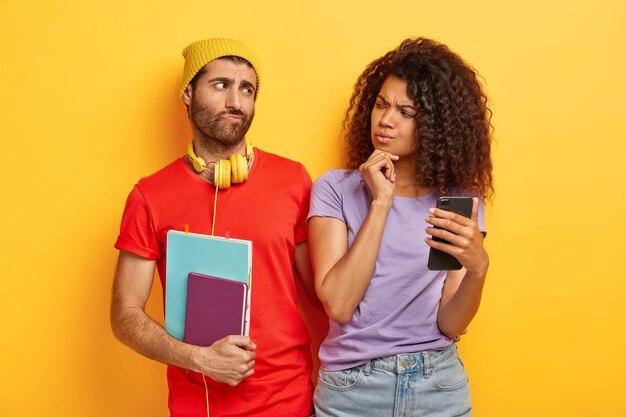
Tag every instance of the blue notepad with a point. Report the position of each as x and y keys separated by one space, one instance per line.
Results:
x=209 y=255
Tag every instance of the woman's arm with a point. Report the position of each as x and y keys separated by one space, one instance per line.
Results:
x=459 y=302
x=343 y=274
x=302 y=266
x=463 y=289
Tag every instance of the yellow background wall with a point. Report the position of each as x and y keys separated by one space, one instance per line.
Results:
x=89 y=105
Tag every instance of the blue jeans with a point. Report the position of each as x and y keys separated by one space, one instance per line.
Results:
x=432 y=383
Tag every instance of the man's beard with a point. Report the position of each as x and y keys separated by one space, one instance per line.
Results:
x=216 y=131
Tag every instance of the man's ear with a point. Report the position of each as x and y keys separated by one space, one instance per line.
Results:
x=187 y=94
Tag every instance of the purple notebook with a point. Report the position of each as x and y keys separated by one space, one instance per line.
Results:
x=216 y=307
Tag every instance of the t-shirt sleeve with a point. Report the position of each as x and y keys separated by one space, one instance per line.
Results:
x=300 y=234
x=326 y=200
x=137 y=234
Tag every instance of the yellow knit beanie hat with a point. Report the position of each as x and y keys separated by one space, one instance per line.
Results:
x=200 y=53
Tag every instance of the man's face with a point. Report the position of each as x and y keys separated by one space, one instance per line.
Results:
x=221 y=106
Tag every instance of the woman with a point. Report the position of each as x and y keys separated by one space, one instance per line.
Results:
x=417 y=128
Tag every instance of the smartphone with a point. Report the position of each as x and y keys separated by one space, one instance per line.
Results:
x=438 y=260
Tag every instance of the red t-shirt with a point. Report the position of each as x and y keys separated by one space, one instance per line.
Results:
x=270 y=209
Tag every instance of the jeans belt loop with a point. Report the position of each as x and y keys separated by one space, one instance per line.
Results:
x=367 y=368
x=427 y=369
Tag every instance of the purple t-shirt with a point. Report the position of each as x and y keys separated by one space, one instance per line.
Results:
x=398 y=313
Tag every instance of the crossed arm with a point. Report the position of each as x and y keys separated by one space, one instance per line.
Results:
x=342 y=274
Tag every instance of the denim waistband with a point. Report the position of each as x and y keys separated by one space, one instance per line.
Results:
x=411 y=362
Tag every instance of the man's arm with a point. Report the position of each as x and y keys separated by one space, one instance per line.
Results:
x=223 y=361
x=302 y=265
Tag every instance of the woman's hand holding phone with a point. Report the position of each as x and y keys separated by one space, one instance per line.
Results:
x=463 y=239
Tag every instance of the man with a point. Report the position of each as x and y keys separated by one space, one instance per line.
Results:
x=268 y=373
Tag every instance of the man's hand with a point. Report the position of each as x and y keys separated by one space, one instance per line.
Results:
x=229 y=360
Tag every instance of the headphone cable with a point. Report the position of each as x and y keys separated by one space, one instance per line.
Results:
x=214 y=211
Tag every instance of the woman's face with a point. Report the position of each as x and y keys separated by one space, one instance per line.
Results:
x=393 y=119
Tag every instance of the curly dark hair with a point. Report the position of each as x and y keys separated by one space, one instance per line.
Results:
x=453 y=136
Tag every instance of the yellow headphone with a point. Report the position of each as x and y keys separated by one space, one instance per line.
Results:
x=232 y=170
